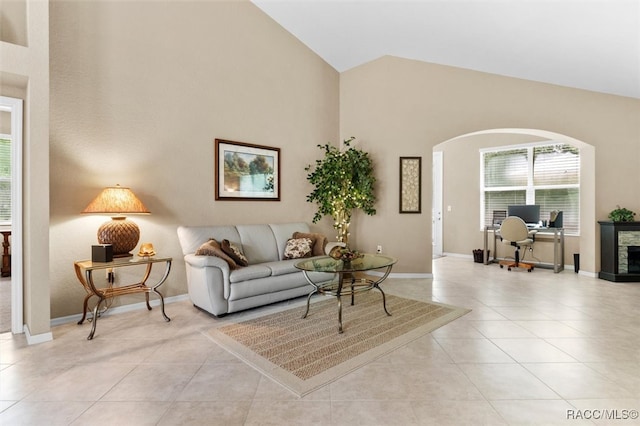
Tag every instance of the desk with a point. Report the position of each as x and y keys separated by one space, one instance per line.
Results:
x=346 y=269
x=84 y=272
x=557 y=235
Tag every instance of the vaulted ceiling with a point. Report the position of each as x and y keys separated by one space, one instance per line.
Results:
x=586 y=44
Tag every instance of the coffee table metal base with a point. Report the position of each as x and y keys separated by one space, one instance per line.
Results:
x=339 y=289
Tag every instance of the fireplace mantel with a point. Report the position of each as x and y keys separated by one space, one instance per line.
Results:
x=619 y=248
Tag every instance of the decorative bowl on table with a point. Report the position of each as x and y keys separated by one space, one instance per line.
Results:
x=344 y=253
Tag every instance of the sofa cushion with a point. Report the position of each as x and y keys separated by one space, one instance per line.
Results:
x=234 y=252
x=258 y=243
x=297 y=248
x=250 y=272
x=266 y=289
x=284 y=231
x=212 y=248
x=319 y=241
x=283 y=267
x=192 y=237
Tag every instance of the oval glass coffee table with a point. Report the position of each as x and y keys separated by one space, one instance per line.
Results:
x=347 y=284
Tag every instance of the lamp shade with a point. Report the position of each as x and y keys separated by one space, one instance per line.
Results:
x=117 y=200
x=121 y=233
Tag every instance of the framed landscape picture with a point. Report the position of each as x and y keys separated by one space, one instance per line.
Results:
x=245 y=171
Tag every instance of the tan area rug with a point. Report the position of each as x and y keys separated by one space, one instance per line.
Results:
x=306 y=354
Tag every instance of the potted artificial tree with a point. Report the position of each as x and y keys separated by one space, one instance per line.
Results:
x=343 y=181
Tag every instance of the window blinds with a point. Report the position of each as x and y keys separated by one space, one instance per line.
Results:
x=548 y=175
x=5 y=180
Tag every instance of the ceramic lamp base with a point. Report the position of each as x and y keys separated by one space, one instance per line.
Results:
x=121 y=233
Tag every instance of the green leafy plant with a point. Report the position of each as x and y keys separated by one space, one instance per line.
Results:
x=621 y=214
x=343 y=181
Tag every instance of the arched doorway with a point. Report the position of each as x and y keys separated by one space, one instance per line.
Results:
x=469 y=144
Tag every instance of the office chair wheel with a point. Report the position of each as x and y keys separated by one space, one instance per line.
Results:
x=501 y=266
x=508 y=269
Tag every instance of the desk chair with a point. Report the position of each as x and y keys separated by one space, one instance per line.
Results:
x=514 y=232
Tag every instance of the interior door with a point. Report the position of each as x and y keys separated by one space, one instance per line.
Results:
x=436 y=205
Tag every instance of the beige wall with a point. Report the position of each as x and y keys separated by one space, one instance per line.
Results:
x=24 y=74
x=139 y=91
x=13 y=22
x=5 y=122
x=399 y=107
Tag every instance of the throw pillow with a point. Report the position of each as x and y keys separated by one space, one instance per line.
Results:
x=319 y=242
x=212 y=248
x=297 y=248
x=234 y=252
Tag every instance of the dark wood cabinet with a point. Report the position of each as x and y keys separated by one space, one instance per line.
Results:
x=620 y=251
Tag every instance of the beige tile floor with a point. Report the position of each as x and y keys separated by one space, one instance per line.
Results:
x=537 y=347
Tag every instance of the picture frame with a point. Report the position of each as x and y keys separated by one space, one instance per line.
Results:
x=410 y=184
x=246 y=172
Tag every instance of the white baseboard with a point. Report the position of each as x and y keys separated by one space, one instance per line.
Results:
x=465 y=256
x=38 y=338
x=121 y=309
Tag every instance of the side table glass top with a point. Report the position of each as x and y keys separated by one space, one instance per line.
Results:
x=329 y=264
x=121 y=261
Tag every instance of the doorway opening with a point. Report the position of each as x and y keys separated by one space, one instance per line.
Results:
x=460 y=220
x=12 y=122
x=436 y=206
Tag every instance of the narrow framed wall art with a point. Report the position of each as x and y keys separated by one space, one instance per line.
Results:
x=410 y=184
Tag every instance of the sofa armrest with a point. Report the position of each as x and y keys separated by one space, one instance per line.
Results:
x=211 y=262
x=204 y=261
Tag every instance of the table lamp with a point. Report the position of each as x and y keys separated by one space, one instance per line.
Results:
x=121 y=233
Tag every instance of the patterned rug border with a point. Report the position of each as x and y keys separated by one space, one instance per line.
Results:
x=302 y=387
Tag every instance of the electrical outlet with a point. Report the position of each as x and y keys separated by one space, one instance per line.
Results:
x=379 y=249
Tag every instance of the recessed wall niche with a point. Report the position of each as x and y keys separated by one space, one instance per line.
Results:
x=13 y=22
